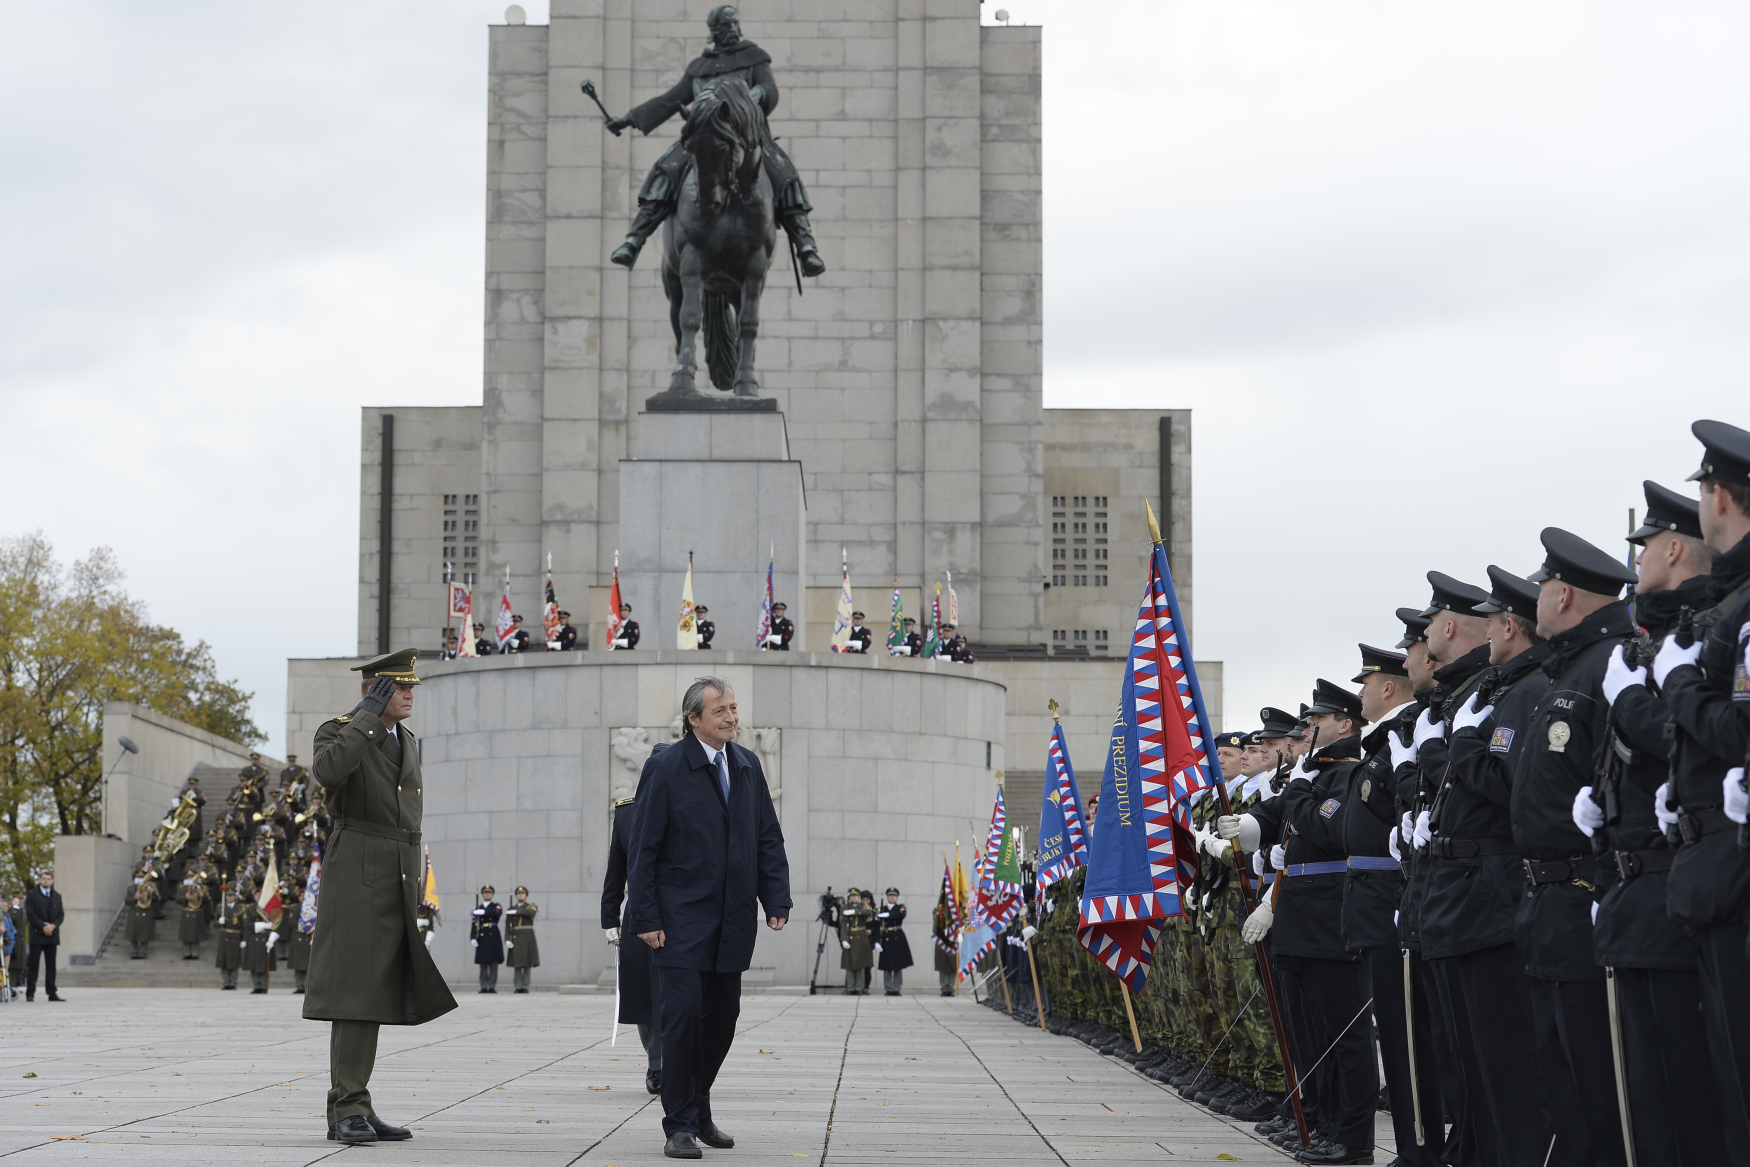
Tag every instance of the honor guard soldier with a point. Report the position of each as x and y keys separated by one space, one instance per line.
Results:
x=1580 y=614
x=706 y=629
x=519 y=637
x=1703 y=673
x=260 y=935
x=856 y=943
x=567 y=638
x=1649 y=959
x=895 y=948
x=228 y=923
x=487 y=938
x=778 y=640
x=914 y=644
x=956 y=647
x=525 y=950
x=483 y=645
x=298 y=947
x=637 y=963
x=861 y=637
x=367 y=966
x=628 y=637
x=450 y=651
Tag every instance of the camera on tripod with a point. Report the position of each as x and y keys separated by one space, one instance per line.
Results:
x=829 y=910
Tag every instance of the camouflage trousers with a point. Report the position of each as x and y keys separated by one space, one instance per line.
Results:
x=1240 y=1001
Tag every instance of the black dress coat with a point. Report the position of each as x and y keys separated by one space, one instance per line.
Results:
x=1309 y=914
x=1371 y=898
x=487 y=933
x=697 y=865
x=637 y=971
x=39 y=910
x=895 y=948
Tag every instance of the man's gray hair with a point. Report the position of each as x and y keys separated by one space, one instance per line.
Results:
x=694 y=701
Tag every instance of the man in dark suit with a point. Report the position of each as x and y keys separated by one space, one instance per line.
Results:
x=44 y=913
x=706 y=845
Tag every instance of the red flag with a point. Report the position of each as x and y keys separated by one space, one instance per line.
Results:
x=614 y=605
x=269 y=898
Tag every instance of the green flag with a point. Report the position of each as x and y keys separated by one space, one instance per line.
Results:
x=896 y=627
x=1008 y=869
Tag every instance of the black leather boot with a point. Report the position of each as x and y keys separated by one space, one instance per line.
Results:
x=807 y=254
x=648 y=219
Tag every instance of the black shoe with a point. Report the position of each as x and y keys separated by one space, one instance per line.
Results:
x=1336 y=1153
x=626 y=255
x=681 y=1146
x=653 y=1081
x=891 y=993
x=1254 y=1107
x=257 y=992
x=1230 y=1093
x=53 y=997
x=713 y=1136
x=296 y=992
x=809 y=257
x=353 y=1129
x=387 y=1133
x=229 y=988
x=30 y=998
x=522 y=990
x=1272 y=1126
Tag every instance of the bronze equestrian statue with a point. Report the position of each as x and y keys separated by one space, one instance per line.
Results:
x=728 y=55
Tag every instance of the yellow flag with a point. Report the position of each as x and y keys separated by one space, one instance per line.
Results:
x=686 y=635
x=428 y=893
x=962 y=890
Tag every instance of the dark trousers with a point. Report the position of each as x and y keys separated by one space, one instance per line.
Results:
x=489 y=978
x=698 y=1011
x=352 y=1055
x=1570 y=1029
x=1384 y=968
x=45 y=953
x=1294 y=1030
x=1485 y=1001
x=1725 y=1010
x=1338 y=1044
x=1674 y=1103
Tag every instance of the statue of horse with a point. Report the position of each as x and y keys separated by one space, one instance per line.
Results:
x=719 y=244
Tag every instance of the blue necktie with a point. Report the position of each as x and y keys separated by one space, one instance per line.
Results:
x=723 y=775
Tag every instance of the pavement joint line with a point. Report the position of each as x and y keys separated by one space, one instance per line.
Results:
x=1025 y=1117
x=844 y=1057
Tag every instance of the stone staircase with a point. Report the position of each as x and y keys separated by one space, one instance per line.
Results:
x=163 y=967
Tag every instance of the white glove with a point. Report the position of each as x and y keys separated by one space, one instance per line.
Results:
x=1258 y=864
x=612 y=934
x=1470 y=716
x=1737 y=802
x=1391 y=846
x=1257 y=925
x=1408 y=826
x=261 y=926
x=1588 y=815
x=1400 y=753
x=1594 y=913
x=1243 y=827
x=903 y=650
x=273 y=938
x=845 y=944
x=1423 y=831
x=1278 y=857
x=1028 y=933
x=1427 y=729
x=1618 y=676
x=1667 y=817
x=509 y=944
x=429 y=937
x=1300 y=771
x=623 y=644
x=774 y=638
x=479 y=911
x=423 y=924
x=1671 y=658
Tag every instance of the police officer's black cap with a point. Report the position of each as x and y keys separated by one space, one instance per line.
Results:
x=1330 y=697
x=858 y=616
x=1575 y=562
x=892 y=891
x=1510 y=593
x=780 y=604
x=563 y=615
x=397 y=666
x=1452 y=595
x=700 y=609
x=488 y=888
x=1232 y=739
x=1379 y=660
x=1415 y=626
x=1667 y=511
x=1277 y=722
x=1727 y=453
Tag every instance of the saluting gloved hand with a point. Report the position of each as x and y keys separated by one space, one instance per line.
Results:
x=1666 y=816
x=377 y=698
x=1737 y=805
x=613 y=935
x=1470 y=716
x=1400 y=753
x=1618 y=676
x=1243 y=827
x=1391 y=845
x=1257 y=925
x=1423 y=831
x=1588 y=815
x=1427 y=729
x=1673 y=657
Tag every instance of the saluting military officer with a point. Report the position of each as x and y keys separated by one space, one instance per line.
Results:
x=368 y=967
x=525 y=950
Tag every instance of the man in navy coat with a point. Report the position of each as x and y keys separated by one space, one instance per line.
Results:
x=705 y=845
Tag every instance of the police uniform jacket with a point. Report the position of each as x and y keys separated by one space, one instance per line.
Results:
x=368 y=961
x=895 y=948
x=861 y=639
x=1371 y=894
x=637 y=962
x=1633 y=929
x=486 y=933
x=1453 y=685
x=783 y=629
x=707 y=630
x=630 y=633
x=1473 y=876
x=1710 y=709
x=228 y=919
x=1562 y=735
x=1309 y=915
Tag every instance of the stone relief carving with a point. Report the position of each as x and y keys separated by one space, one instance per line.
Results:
x=631 y=746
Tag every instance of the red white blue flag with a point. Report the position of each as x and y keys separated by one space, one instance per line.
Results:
x=998 y=900
x=765 y=632
x=1142 y=850
x=1063 y=844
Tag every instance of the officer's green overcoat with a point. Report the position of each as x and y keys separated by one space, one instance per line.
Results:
x=368 y=961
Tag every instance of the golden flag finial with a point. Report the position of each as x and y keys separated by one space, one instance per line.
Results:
x=1054 y=707
x=1154 y=528
x=999 y=777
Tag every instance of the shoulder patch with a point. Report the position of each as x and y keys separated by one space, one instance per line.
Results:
x=1502 y=741
x=1329 y=808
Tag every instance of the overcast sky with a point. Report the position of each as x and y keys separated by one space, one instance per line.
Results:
x=1430 y=277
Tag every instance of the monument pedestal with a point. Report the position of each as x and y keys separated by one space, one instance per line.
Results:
x=722 y=486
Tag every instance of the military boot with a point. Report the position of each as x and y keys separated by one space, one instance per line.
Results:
x=802 y=237
x=648 y=219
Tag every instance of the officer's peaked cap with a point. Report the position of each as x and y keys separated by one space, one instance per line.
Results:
x=1510 y=593
x=1667 y=511
x=1330 y=697
x=1452 y=595
x=1415 y=626
x=1727 y=453
x=397 y=666
x=1575 y=562
x=1379 y=660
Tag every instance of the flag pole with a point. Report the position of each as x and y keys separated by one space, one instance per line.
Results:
x=1290 y=1081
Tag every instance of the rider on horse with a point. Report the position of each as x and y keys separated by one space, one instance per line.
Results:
x=726 y=56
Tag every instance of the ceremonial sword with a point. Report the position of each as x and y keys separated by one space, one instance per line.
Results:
x=1628 y=1134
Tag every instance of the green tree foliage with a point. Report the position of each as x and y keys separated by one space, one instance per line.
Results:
x=70 y=641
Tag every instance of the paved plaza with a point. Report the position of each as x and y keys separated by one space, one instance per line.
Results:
x=180 y=1077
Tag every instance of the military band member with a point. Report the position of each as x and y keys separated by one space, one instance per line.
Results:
x=856 y=943
x=142 y=911
x=628 y=635
x=525 y=949
x=487 y=938
x=706 y=628
x=778 y=639
x=194 y=911
x=367 y=965
x=567 y=638
x=861 y=637
x=228 y=924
